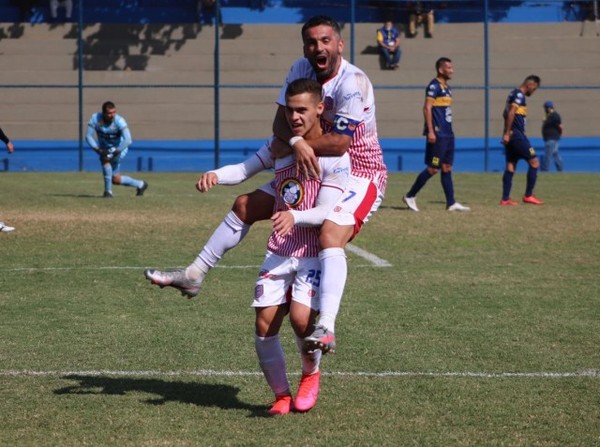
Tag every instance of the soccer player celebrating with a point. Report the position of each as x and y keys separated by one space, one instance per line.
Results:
x=289 y=278
x=439 y=150
x=517 y=144
x=349 y=123
x=109 y=136
x=292 y=259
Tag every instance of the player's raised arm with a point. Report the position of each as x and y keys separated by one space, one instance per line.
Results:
x=237 y=173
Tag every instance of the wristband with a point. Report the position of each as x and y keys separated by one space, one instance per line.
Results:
x=294 y=140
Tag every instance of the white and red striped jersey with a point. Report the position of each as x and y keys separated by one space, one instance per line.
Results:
x=349 y=109
x=294 y=191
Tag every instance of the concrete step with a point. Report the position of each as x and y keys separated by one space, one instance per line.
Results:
x=262 y=54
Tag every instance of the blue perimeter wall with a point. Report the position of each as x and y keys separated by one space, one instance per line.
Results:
x=580 y=154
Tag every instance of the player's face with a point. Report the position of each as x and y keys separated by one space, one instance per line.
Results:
x=323 y=49
x=530 y=88
x=303 y=112
x=446 y=70
x=109 y=115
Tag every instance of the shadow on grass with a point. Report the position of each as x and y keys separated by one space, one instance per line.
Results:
x=201 y=394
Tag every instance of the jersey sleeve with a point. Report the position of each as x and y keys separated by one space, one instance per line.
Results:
x=432 y=91
x=335 y=175
x=351 y=97
x=125 y=139
x=518 y=99
x=237 y=173
x=336 y=171
x=91 y=133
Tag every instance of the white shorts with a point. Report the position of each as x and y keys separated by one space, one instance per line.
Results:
x=269 y=188
x=282 y=279
x=359 y=201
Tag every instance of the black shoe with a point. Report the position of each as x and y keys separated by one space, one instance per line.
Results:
x=107 y=195
x=428 y=35
x=140 y=191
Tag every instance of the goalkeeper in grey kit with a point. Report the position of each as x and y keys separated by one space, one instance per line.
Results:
x=109 y=136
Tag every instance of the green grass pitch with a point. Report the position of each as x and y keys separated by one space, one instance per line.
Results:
x=484 y=331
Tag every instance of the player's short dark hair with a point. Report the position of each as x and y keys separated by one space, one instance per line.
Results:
x=303 y=85
x=440 y=61
x=108 y=105
x=322 y=20
x=533 y=78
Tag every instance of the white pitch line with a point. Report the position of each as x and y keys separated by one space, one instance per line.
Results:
x=375 y=260
x=130 y=267
x=65 y=269
x=590 y=373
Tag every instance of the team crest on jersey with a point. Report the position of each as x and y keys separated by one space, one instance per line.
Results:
x=259 y=291
x=291 y=192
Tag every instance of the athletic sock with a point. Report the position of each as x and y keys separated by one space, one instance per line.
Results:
x=506 y=184
x=531 y=180
x=129 y=181
x=448 y=187
x=107 y=172
x=310 y=360
x=227 y=235
x=334 y=271
x=272 y=363
x=422 y=178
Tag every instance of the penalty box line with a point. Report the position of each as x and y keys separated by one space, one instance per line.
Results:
x=591 y=373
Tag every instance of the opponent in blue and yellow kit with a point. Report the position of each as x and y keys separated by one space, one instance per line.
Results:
x=439 y=149
x=517 y=145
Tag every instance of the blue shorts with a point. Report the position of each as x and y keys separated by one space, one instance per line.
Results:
x=439 y=153
x=519 y=148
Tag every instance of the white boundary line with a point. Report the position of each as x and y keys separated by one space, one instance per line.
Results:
x=590 y=373
x=374 y=261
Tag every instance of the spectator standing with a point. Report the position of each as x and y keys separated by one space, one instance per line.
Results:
x=420 y=13
x=551 y=132
x=388 y=40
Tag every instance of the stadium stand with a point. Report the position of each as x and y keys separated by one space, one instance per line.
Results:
x=160 y=75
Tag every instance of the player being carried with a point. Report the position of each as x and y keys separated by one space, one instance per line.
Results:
x=349 y=123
